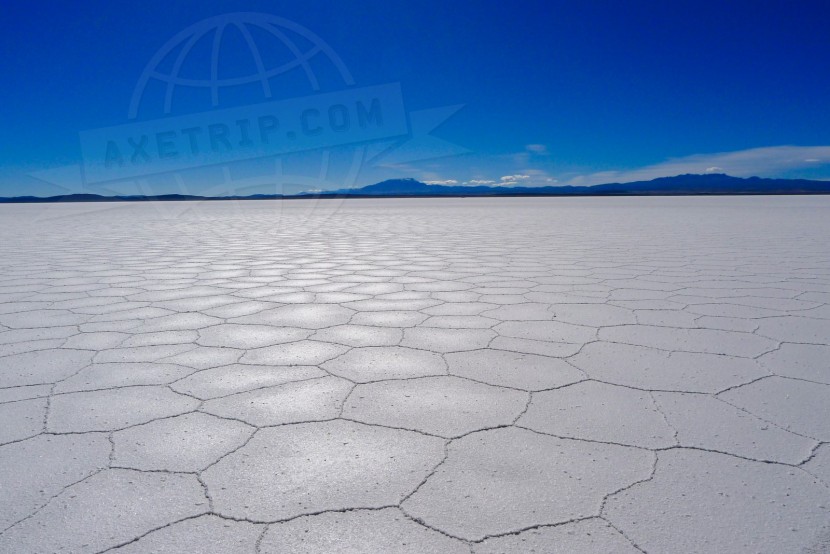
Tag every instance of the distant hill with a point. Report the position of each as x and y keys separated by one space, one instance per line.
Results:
x=681 y=185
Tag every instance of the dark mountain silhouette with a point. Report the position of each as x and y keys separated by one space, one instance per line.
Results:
x=711 y=183
x=681 y=185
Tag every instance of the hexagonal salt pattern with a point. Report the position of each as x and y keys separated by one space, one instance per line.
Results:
x=453 y=375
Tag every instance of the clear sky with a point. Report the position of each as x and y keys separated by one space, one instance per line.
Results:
x=552 y=92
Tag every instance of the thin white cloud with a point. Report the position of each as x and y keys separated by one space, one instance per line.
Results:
x=444 y=182
x=537 y=148
x=519 y=177
x=479 y=182
x=769 y=161
x=713 y=169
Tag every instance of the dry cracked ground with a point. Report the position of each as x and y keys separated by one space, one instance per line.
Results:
x=456 y=375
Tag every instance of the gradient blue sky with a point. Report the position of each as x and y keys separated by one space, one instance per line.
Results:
x=553 y=92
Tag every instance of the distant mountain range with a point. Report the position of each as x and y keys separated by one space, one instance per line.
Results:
x=681 y=185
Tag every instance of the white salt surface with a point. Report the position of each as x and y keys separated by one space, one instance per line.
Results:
x=416 y=375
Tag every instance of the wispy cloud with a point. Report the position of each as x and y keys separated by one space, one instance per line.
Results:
x=508 y=180
x=444 y=182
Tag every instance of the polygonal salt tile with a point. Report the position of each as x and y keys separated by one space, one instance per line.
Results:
x=360 y=335
x=306 y=468
x=387 y=530
x=363 y=365
x=306 y=316
x=206 y=534
x=647 y=368
x=527 y=476
x=297 y=297
x=29 y=346
x=462 y=297
x=439 y=286
x=22 y=419
x=338 y=297
x=109 y=375
x=588 y=536
x=205 y=357
x=240 y=309
x=561 y=299
x=444 y=406
x=37 y=334
x=43 y=366
x=109 y=326
x=726 y=324
x=160 y=338
x=541 y=348
x=668 y=318
x=142 y=353
x=109 y=509
x=12 y=394
x=592 y=315
x=96 y=341
x=675 y=304
x=795 y=329
x=499 y=291
x=726 y=309
x=703 y=421
x=459 y=322
x=552 y=331
x=199 y=304
x=375 y=288
x=459 y=308
x=599 y=412
x=639 y=294
x=504 y=299
x=231 y=379
x=42 y=318
x=795 y=405
x=513 y=369
x=305 y=352
x=310 y=400
x=177 y=322
x=802 y=361
x=521 y=312
x=109 y=410
x=378 y=305
x=42 y=467
x=447 y=340
x=397 y=318
x=708 y=502
x=728 y=343
x=249 y=336
x=189 y=292
x=185 y=443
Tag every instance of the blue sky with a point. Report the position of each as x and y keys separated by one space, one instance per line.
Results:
x=552 y=92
